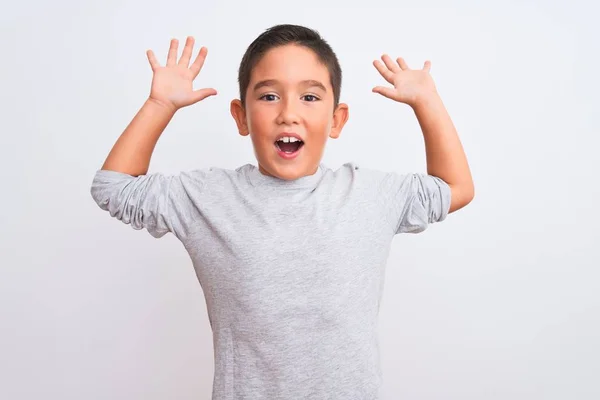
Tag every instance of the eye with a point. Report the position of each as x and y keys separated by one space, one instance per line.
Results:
x=308 y=98
x=267 y=97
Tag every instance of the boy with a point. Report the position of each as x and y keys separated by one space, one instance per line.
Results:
x=290 y=254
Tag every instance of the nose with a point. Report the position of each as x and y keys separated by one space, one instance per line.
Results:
x=288 y=114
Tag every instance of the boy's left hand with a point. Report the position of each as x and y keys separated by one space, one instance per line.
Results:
x=410 y=86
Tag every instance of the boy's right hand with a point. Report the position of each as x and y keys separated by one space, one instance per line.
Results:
x=172 y=85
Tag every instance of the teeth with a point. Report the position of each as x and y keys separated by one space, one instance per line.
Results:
x=288 y=139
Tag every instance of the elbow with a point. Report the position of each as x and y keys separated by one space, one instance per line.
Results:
x=469 y=194
x=461 y=196
x=99 y=196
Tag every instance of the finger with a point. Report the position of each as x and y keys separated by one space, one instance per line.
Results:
x=389 y=63
x=152 y=59
x=172 y=57
x=187 y=52
x=199 y=61
x=384 y=91
x=402 y=63
x=384 y=71
x=427 y=66
x=201 y=94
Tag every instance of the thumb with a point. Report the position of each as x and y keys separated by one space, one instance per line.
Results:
x=385 y=91
x=201 y=94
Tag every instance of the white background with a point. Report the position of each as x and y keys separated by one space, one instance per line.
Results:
x=500 y=301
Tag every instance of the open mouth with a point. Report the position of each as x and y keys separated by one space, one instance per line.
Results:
x=289 y=145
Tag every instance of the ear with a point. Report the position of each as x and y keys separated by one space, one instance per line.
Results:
x=340 y=116
x=239 y=114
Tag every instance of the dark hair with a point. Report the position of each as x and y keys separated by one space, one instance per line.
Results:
x=281 y=35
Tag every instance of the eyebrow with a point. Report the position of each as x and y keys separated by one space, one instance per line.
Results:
x=274 y=82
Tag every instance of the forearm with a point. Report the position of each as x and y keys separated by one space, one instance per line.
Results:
x=133 y=150
x=446 y=158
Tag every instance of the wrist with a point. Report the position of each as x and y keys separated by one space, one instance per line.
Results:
x=426 y=100
x=160 y=106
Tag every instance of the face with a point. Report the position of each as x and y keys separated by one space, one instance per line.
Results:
x=289 y=94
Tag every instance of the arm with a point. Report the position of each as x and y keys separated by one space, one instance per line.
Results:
x=132 y=152
x=171 y=90
x=156 y=202
x=445 y=156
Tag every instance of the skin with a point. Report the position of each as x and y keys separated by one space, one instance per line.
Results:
x=287 y=103
x=446 y=158
x=291 y=105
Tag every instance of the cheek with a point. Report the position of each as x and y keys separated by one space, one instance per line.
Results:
x=321 y=122
x=259 y=120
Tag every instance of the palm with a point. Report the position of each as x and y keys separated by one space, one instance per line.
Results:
x=172 y=84
x=409 y=85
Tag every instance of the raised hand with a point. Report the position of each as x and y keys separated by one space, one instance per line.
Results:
x=172 y=85
x=410 y=86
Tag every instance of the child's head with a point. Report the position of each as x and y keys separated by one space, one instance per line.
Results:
x=290 y=81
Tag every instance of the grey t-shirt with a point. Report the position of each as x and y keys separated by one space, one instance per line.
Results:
x=292 y=271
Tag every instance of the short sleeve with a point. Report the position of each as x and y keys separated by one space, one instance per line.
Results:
x=155 y=202
x=414 y=201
